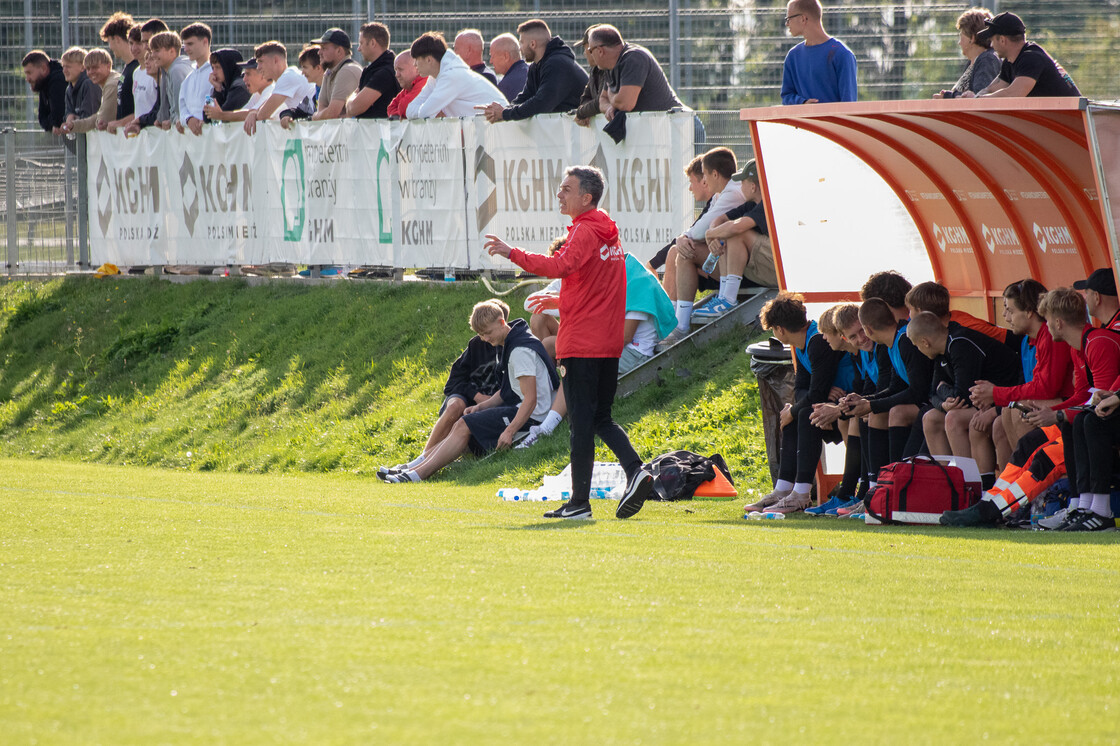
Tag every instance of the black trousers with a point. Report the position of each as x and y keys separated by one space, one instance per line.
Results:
x=589 y=386
x=1094 y=448
x=801 y=448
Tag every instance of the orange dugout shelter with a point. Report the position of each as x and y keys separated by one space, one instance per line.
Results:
x=975 y=194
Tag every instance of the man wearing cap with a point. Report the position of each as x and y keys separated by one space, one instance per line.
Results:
x=453 y=89
x=1100 y=296
x=555 y=79
x=741 y=240
x=291 y=90
x=341 y=75
x=1027 y=69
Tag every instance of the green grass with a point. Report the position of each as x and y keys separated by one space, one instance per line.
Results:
x=287 y=378
x=148 y=606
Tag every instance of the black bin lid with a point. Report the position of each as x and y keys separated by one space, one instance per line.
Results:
x=770 y=350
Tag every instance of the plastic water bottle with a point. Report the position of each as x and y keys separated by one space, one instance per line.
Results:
x=711 y=262
x=510 y=494
x=1038 y=512
x=449 y=274
x=210 y=102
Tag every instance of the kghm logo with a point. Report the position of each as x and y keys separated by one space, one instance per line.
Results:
x=951 y=235
x=293 y=198
x=187 y=179
x=1052 y=235
x=104 y=186
x=994 y=237
x=484 y=166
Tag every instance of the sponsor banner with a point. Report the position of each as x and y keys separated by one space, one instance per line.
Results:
x=646 y=194
x=515 y=170
x=166 y=198
x=402 y=194
x=329 y=193
x=432 y=231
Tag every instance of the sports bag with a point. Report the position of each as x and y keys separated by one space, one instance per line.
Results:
x=676 y=475
x=918 y=490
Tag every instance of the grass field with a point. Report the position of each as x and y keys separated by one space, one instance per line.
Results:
x=149 y=606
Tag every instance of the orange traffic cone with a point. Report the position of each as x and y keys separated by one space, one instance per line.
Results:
x=717 y=488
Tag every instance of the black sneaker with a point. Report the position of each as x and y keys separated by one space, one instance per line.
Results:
x=571 y=511
x=637 y=490
x=983 y=513
x=1087 y=520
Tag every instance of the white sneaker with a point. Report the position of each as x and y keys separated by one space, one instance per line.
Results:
x=1055 y=520
x=794 y=502
x=528 y=441
x=672 y=338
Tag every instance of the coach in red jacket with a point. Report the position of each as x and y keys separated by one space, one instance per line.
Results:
x=592 y=307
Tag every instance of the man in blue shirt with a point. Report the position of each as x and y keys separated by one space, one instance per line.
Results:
x=820 y=69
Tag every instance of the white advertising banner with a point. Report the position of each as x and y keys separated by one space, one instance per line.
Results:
x=432 y=193
x=329 y=192
x=646 y=194
x=413 y=194
x=167 y=198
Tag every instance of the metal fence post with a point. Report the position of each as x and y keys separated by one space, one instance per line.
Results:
x=11 y=216
x=674 y=44
x=68 y=200
x=83 y=205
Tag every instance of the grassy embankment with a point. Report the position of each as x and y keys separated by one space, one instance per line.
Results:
x=228 y=377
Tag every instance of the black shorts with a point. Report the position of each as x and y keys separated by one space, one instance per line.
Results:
x=488 y=425
x=707 y=283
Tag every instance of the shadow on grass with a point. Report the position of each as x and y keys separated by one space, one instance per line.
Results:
x=553 y=525
x=1018 y=536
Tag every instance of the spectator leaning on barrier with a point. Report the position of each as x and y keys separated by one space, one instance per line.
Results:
x=197 y=87
x=141 y=87
x=147 y=115
x=99 y=67
x=260 y=88
x=505 y=58
x=174 y=70
x=452 y=90
x=468 y=47
x=635 y=80
x=555 y=79
x=83 y=97
x=983 y=64
x=592 y=309
x=377 y=86
x=410 y=81
x=820 y=69
x=596 y=83
x=115 y=34
x=291 y=90
x=45 y=77
x=231 y=93
x=312 y=68
x=1027 y=69
x=341 y=74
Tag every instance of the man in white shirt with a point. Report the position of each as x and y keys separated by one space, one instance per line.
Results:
x=192 y=94
x=692 y=249
x=453 y=89
x=291 y=88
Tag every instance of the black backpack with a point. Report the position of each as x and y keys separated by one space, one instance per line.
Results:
x=676 y=475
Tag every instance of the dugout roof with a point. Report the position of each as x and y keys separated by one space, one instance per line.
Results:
x=975 y=194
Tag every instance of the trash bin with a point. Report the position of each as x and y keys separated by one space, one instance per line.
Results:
x=773 y=367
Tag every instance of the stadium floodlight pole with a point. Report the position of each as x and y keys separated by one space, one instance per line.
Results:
x=65 y=24
x=674 y=44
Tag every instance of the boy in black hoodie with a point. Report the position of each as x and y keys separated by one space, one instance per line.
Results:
x=528 y=386
x=230 y=91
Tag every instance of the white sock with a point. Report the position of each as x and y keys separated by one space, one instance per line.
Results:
x=551 y=420
x=415 y=462
x=730 y=291
x=684 y=315
x=1074 y=503
x=802 y=488
x=412 y=475
x=1102 y=504
x=783 y=485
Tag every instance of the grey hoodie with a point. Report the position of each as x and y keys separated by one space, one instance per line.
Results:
x=169 y=85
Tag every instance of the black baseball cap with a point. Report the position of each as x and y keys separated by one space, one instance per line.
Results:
x=335 y=36
x=1102 y=280
x=1005 y=24
x=249 y=64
